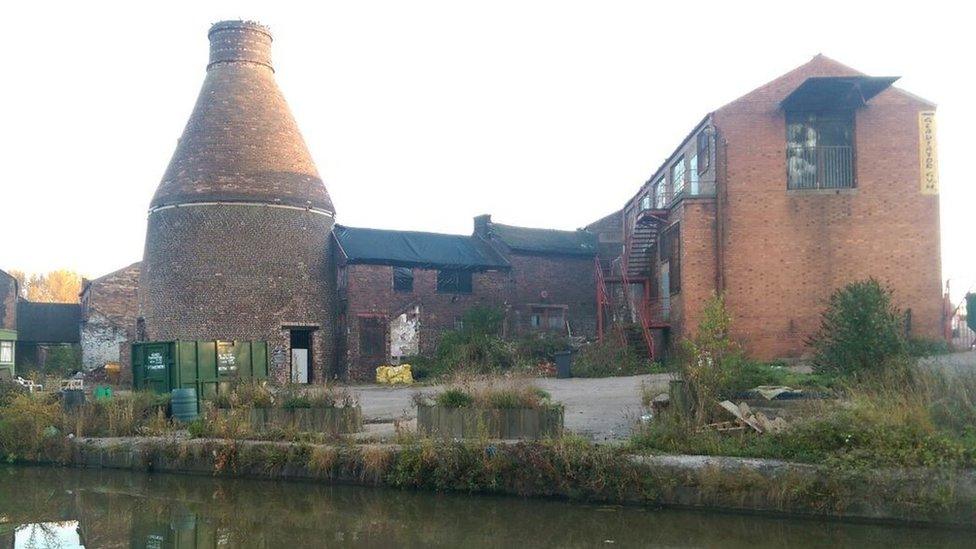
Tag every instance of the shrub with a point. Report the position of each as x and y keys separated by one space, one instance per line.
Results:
x=920 y=346
x=478 y=346
x=541 y=347
x=454 y=398
x=860 y=332
x=713 y=364
x=490 y=393
x=27 y=423
x=609 y=358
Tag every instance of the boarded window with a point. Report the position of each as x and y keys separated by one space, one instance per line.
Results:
x=454 y=281
x=372 y=336
x=402 y=279
x=671 y=252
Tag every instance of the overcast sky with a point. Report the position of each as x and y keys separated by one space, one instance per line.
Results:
x=422 y=114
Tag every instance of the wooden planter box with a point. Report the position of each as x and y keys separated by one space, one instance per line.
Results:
x=498 y=423
x=311 y=420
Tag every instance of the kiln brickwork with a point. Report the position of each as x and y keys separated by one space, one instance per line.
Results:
x=237 y=239
x=777 y=248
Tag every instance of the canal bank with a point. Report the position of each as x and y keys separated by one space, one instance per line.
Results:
x=567 y=468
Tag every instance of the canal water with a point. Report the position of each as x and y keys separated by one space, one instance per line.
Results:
x=53 y=507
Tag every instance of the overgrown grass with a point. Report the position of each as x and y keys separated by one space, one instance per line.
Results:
x=611 y=358
x=488 y=392
x=925 y=420
x=260 y=394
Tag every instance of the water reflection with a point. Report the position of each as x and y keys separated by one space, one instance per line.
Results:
x=119 y=509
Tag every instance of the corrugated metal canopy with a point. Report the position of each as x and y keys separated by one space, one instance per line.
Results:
x=836 y=92
x=416 y=249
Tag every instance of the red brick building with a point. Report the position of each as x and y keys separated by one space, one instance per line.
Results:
x=109 y=317
x=819 y=178
x=400 y=290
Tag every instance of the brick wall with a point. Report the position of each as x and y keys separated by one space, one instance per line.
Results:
x=8 y=302
x=554 y=280
x=785 y=251
x=369 y=292
x=109 y=309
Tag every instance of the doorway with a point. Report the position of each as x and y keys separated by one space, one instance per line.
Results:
x=301 y=356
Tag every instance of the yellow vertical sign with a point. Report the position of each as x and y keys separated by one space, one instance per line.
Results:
x=928 y=153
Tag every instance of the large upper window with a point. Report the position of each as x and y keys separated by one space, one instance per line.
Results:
x=820 y=150
x=454 y=281
x=693 y=175
x=678 y=176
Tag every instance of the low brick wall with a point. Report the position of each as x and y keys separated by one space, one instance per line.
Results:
x=473 y=423
x=924 y=496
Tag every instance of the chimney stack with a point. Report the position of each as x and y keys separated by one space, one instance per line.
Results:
x=240 y=42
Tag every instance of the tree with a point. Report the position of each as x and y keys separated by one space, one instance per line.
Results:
x=60 y=286
x=21 y=279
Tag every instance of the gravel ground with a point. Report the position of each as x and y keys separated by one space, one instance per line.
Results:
x=601 y=409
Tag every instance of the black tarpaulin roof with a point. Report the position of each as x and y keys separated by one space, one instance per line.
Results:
x=836 y=92
x=416 y=249
x=48 y=322
x=545 y=241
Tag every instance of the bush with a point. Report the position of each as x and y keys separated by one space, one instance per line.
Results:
x=454 y=398
x=541 y=347
x=860 y=332
x=713 y=365
x=609 y=358
x=27 y=424
x=478 y=346
x=920 y=346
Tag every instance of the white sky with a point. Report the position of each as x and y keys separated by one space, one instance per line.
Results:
x=422 y=114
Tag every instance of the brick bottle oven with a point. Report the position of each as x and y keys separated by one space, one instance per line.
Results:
x=237 y=238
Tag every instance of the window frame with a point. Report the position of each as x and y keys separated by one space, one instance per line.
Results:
x=545 y=317
x=463 y=284
x=670 y=251
x=704 y=152
x=661 y=193
x=848 y=116
x=679 y=165
x=404 y=271
x=7 y=346
x=379 y=330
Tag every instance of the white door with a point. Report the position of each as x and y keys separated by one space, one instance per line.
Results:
x=299 y=365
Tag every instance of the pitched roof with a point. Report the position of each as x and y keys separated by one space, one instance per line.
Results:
x=416 y=249
x=48 y=322
x=545 y=241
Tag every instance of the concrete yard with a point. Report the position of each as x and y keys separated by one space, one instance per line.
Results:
x=601 y=408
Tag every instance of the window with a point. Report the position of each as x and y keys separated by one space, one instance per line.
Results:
x=678 y=177
x=6 y=352
x=671 y=252
x=548 y=317
x=372 y=336
x=454 y=281
x=704 y=152
x=819 y=150
x=661 y=194
x=402 y=279
x=693 y=175
x=645 y=202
